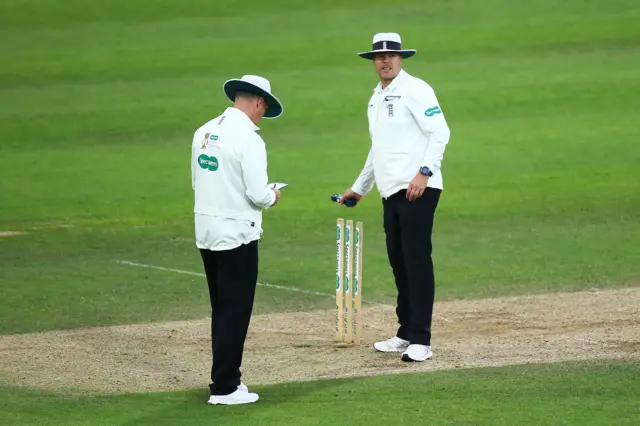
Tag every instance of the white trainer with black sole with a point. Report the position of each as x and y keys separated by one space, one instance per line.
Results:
x=417 y=353
x=236 y=398
x=395 y=344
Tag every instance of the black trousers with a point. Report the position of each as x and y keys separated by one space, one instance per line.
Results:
x=232 y=277
x=408 y=226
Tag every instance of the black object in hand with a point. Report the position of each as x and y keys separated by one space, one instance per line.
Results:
x=349 y=202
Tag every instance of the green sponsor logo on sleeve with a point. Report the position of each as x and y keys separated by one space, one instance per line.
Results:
x=430 y=112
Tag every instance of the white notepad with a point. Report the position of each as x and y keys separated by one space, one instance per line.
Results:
x=278 y=185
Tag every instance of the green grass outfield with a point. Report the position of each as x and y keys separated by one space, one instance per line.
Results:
x=558 y=394
x=98 y=103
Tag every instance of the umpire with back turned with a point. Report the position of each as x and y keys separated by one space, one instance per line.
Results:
x=230 y=182
x=408 y=138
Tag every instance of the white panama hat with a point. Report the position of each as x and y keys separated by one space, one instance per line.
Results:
x=387 y=42
x=257 y=85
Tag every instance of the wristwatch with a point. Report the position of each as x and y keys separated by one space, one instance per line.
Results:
x=424 y=170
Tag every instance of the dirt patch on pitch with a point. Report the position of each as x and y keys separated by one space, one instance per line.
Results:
x=299 y=346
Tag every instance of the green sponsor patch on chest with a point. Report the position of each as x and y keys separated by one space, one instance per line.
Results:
x=208 y=162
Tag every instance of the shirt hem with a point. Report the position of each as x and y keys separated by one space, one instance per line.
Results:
x=224 y=246
x=388 y=193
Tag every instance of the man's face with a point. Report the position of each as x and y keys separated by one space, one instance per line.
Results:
x=387 y=65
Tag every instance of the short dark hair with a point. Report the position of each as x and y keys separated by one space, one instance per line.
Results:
x=245 y=95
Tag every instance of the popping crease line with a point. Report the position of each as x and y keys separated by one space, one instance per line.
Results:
x=279 y=287
x=198 y=274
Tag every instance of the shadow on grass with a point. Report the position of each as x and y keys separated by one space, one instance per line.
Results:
x=190 y=407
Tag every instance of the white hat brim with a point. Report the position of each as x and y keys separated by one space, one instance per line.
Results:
x=274 y=106
x=404 y=53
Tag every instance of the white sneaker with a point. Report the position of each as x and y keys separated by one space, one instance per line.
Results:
x=243 y=387
x=235 y=398
x=417 y=353
x=395 y=344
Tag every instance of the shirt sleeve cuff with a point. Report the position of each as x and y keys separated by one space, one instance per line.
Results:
x=358 y=189
x=272 y=199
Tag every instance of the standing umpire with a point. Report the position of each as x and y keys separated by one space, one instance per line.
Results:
x=409 y=134
x=229 y=177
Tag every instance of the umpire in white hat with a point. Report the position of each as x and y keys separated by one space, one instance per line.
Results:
x=408 y=138
x=230 y=183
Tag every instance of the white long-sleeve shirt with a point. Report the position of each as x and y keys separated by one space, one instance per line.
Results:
x=408 y=131
x=230 y=181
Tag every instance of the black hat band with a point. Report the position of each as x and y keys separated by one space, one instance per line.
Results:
x=387 y=45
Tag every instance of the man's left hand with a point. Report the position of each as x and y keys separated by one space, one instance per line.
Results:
x=417 y=186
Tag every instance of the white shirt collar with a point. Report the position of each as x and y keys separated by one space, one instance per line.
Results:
x=241 y=118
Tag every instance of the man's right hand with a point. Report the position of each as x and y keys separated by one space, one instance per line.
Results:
x=349 y=193
x=277 y=191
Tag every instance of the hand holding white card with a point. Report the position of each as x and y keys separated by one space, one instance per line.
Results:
x=278 y=185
